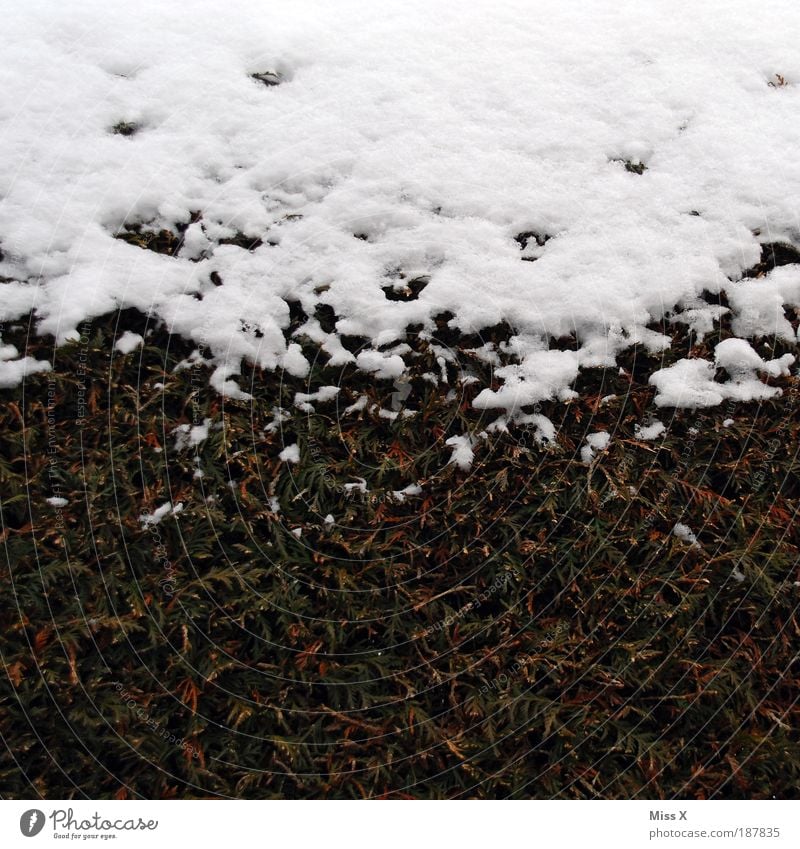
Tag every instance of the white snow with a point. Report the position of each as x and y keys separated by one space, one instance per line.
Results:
x=685 y=534
x=438 y=131
x=290 y=454
x=691 y=383
x=14 y=371
x=326 y=393
x=595 y=442
x=359 y=486
x=188 y=436
x=651 y=431
x=463 y=454
x=279 y=416
x=357 y=406
x=128 y=342
x=544 y=429
x=157 y=515
x=385 y=366
x=409 y=491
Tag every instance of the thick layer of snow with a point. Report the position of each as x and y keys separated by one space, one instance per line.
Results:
x=435 y=132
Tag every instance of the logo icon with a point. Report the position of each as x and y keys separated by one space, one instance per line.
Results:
x=31 y=822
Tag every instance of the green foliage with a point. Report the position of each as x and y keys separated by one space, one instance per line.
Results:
x=528 y=628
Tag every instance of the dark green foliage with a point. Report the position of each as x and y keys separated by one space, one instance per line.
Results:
x=125 y=128
x=268 y=78
x=528 y=628
x=632 y=166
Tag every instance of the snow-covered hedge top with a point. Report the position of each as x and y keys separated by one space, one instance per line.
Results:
x=627 y=151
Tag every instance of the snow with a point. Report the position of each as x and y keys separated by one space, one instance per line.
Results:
x=409 y=491
x=544 y=431
x=463 y=454
x=438 y=133
x=685 y=534
x=128 y=342
x=358 y=405
x=13 y=371
x=387 y=367
x=758 y=304
x=188 y=436
x=359 y=486
x=326 y=393
x=691 y=383
x=595 y=442
x=279 y=416
x=651 y=431
x=166 y=509
x=290 y=454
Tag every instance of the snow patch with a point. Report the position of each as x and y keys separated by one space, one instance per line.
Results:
x=166 y=509
x=188 y=436
x=685 y=534
x=595 y=442
x=128 y=342
x=463 y=454
x=650 y=432
x=290 y=454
